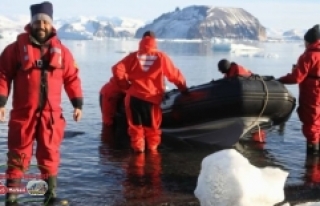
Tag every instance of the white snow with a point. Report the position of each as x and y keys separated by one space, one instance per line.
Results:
x=285 y=35
x=254 y=54
x=180 y=21
x=79 y=27
x=294 y=32
x=228 y=179
x=6 y=23
x=226 y=45
x=177 y=24
x=309 y=204
x=240 y=49
x=118 y=23
x=183 y=20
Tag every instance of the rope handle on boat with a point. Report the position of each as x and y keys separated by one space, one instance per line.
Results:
x=264 y=106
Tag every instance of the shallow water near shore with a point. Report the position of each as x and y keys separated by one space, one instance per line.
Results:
x=95 y=171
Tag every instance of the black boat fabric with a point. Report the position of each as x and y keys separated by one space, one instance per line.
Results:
x=255 y=96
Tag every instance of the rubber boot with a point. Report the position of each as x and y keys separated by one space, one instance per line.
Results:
x=51 y=195
x=311 y=176
x=11 y=198
x=108 y=134
x=312 y=148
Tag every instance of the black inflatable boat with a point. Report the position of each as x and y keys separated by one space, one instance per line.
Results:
x=224 y=108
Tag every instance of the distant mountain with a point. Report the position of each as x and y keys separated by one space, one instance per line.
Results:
x=206 y=22
x=85 y=28
x=286 y=35
x=78 y=28
x=195 y=22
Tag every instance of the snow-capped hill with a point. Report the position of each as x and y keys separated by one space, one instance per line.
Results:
x=286 y=35
x=205 y=22
x=194 y=22
x=274 y=33
x=295 y=32
x=82 y=27
x=122 y=23
x=77 y=27
x=58 y=23
x=76 y=31
x=9 y=24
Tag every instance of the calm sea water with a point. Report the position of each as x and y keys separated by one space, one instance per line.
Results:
x=96 y=173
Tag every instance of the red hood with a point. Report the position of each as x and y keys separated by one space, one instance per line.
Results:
x=147 y=44
x=315 y=45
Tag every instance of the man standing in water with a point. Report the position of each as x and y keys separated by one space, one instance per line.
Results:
x=141 y=74
x=307 y=74
x=38 y=65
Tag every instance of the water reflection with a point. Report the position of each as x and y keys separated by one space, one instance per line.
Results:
x=310 y=189
x=170 y=175
x=260 y=155
x=256 y=153
x=189 y=49
x=141 y=180
x=312 y=174
x=281 y=129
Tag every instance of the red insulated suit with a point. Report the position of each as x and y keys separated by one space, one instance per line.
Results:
x=237 y=70
x=110 y=94
x=307 y=75
x=145 y=70
x=38 y=73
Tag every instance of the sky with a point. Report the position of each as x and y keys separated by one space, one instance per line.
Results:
x=277 y=14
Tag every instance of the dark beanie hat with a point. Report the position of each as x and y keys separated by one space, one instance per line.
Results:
x=224 y=65
x=42 y=11
x=149 y=33
x=313 y=34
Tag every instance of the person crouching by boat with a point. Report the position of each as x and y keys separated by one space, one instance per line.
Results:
x=232 y=69
x=110 y=95
x=307 y=74
x=145 y=88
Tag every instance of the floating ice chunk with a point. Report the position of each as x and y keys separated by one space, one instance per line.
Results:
x=309 y=204
x=228 y=179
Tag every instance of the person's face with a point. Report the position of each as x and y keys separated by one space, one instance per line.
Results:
x=41 y=30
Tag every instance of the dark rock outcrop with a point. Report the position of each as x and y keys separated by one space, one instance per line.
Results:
x=205 y=22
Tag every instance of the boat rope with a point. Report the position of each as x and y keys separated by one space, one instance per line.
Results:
x=266 y=99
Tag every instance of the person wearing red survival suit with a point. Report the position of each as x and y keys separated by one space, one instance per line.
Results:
x=307 y=74
x=38 y=65
x=231 y=69
x=110 y=94
x=145 y=70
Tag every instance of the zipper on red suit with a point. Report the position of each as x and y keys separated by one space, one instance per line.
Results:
x=43 y=81
x=44 y=89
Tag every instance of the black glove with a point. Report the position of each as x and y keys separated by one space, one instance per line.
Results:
x=268 y=78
